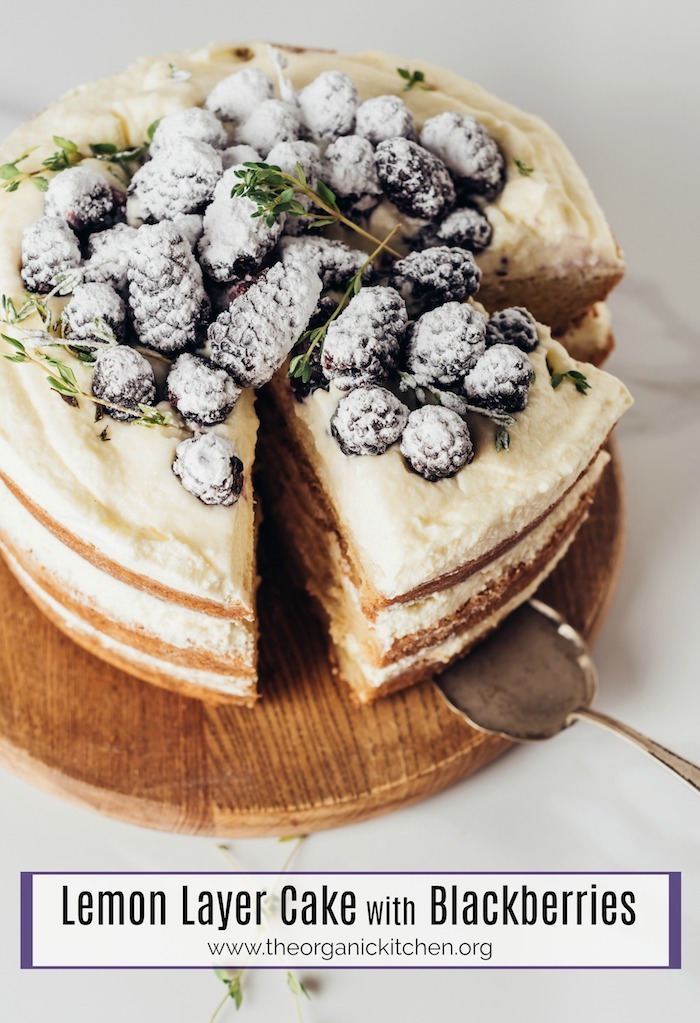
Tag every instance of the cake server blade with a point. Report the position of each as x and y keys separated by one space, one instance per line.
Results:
x=532 y=679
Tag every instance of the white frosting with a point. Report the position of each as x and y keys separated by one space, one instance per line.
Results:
x=390 y=513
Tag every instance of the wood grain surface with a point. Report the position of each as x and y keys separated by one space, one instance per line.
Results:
x=303 y=759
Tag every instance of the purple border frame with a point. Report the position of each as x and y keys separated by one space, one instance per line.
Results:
x=674 y=912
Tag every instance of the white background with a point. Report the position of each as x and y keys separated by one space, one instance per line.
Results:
x=619 y=80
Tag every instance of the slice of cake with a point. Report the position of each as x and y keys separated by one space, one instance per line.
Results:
x=169 y=236
x=417 y=531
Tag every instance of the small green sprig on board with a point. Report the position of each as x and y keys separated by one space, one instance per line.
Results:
x=275 y=192
x=63 y=381
x=523 y=168
x=428 y=394
x=68 y=154
x=233 y=979
x=413 y=79
x=578 y=379
x=300 y=366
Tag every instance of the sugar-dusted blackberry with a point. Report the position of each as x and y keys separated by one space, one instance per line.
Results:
x=122 y=376
x=49 y=249
x=384 y=117
x=82 y=197
x=334 y=261
x=233 y=156
x=445 y=343
x=166 y=295
x=351 y=173
x=199 y=391
x=328 y=105
x=234 y=242
x=416 y=181
x=466 y=227
x=433 y=276
x=252 y=338
x=108 y=257
x=190 y=226
x=514 y=326
x=362 y=345
x=317 y=380
x=210 y=469
x=93 y=306
x=368 y=420
x=272 y=122
x=500 y=380
x=222 y=295
x=286 y=156
x=179 y=179
x=436 y=442
x=470 y=152
x=236 y=97
x=193 y=123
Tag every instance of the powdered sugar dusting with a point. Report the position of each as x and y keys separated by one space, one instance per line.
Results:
x=49 y=248
x=436 y=442
x=328 y=105
x=235 y=97
x=272 y=122
x=179 y=179
x=384 y=117
x=194 y=123
x=253 y=337
x=90 y=303
x=351 y=172
x=210 y=469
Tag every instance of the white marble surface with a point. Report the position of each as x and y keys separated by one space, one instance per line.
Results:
x=619 y=81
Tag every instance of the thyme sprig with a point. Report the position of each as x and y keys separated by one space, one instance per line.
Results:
x=578 y=379
x=300 y=366
x=233 y=980
x=523 y=168
x=62 y=379
x=413 y=79
x=275 y=192
x=68 y=154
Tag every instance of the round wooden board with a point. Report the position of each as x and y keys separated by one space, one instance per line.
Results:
x=303 y=759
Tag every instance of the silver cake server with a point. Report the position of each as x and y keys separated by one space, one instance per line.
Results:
x=533 y=678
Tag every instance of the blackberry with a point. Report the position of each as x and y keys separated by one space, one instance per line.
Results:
x=193 y=123
x=125 y=378
x=368 y=420
x=414 y=180
x=234 y=242
x=436 y=442
x=333 y=261
x=222 y=295
x=431 y=277
x=82 y=197
x=384 y=117
x=286 y=156
x=210 y=469
x=166 y=295
x=328 y=105
x=515 y=326
x=471 y=154
x=362 y=345
x=445 y=343
x=236 y=97
x=466 y=227
x=49 y=249
x=500 y=381
x=190 y=226
x=234 y=156
x=90 y=303
x=351 y=173
x=199 y=391
x=108 y=257
x=272 y=122
x=179 y=179
x=252 y=338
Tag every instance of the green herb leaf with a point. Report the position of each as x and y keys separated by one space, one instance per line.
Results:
x=502 y=439
x=413 y=79
x=104 y=436
x=66 y=144
x=296 y=986
x=40 y=183
x=523 y=168
x=151 y=130
x=9 y=171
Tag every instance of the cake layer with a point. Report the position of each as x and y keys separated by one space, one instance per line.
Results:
x=146 y=635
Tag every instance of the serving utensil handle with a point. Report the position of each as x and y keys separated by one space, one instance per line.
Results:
x=686 y=770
